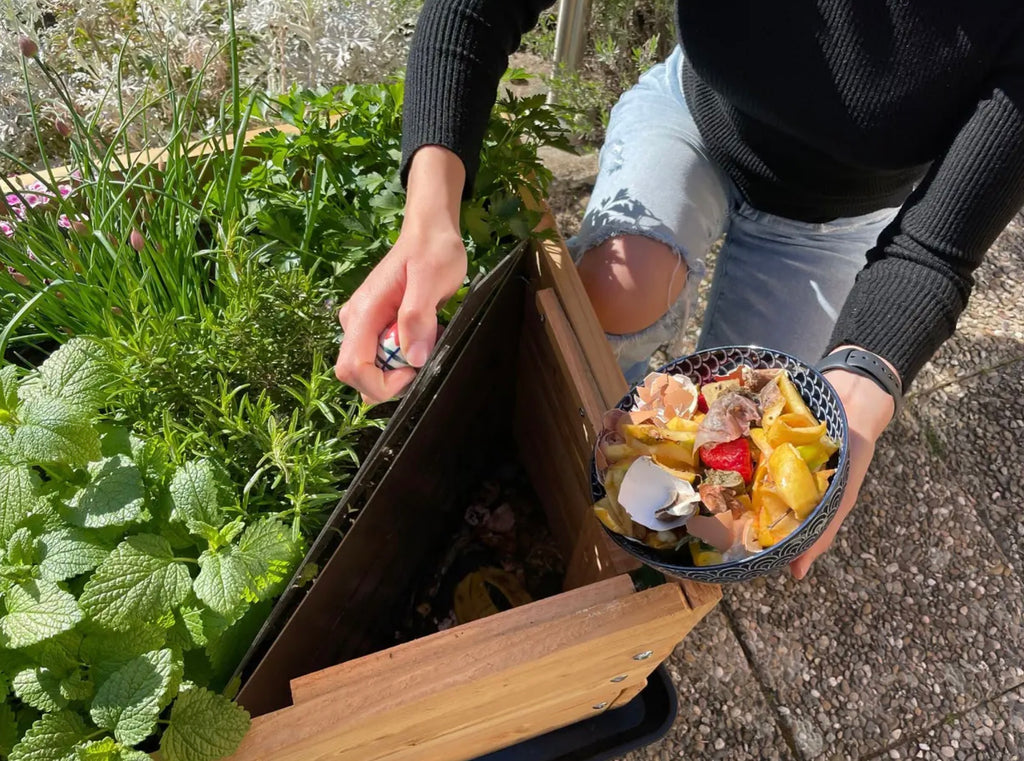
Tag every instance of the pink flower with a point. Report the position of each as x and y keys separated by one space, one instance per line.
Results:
x=63 y=221
x=29 y=49
x=13 y=200
x=7 y=228
x=65 y=190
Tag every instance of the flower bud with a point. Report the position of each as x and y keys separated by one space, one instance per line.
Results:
x=19 y=278
x=29 y=49
x=136 y=240
x=116 y=311
x=62 y=127
x=79 y=227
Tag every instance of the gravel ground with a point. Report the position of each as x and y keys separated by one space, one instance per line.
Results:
x=907 y=640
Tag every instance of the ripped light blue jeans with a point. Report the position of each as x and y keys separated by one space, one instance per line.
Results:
x=778 y=282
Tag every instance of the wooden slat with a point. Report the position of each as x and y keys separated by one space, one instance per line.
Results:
x=474 y=699
x=554 y=268
x=569 y=356
x=627 y=695
x=407 y=657
x=156 y=157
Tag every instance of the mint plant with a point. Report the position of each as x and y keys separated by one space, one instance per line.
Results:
x=125 y=581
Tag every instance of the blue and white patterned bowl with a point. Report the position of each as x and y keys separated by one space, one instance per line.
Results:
x=823 y=401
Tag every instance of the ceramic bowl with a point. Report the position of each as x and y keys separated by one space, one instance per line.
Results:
x=823 y=401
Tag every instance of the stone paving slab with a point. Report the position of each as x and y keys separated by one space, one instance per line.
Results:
x=723 y=713
x=977 y=427
x=909 y=617
x=993 y=731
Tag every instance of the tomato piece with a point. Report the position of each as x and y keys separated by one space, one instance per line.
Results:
x=702 y=404
x=731 y=455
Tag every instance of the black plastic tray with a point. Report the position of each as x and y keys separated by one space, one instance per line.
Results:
x=642 y=721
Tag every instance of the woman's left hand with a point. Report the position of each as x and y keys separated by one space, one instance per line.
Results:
x=868 y=411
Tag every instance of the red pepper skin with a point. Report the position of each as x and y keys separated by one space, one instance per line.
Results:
x=732 y=455
x=702 y=404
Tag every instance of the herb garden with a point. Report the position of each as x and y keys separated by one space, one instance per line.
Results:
x=172 y=436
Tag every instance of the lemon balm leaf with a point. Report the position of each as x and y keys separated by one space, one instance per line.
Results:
x=114 y=495
x=66 y=553
x=51 y=738
x=204 y=726
x=37 y=610
x=129 y=701
x=138 y=583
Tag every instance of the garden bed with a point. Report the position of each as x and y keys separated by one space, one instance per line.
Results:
x=206 y=279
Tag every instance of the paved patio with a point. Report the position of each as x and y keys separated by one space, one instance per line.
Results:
x=906 y=641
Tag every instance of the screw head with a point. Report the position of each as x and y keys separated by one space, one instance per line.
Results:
x=643 y=656
x=619 y=678
x=599 y=706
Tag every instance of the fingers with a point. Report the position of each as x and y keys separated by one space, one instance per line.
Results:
x=417 y=321
x=364 y=318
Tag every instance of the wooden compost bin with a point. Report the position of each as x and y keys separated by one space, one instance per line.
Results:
x=535 y=373
x=528 y=371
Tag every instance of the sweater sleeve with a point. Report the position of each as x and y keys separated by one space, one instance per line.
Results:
x=906 y=301
x=459 y=51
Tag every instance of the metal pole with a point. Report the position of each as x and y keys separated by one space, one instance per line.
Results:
x=571 y=33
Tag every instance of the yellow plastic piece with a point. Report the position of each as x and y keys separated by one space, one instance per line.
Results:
x=794 y=402
x=487 y=591
x=702 y=556
x=793 y=480
x=794 y=429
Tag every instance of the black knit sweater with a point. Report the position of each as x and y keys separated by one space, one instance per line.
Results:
x=816 y=110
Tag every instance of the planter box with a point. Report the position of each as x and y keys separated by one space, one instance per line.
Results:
x=526 y=370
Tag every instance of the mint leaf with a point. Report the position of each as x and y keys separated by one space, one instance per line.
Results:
x=140 y=581
x=107 y=749
x=37 y=610
x=8 y=389
x=70 y=552
x=106 y=651
x=18 y=496
x=270 y=545
x=76 y=686
x=21 y=548
x=187 y=633
x=113 y=496
x=51 y=430
x=74 y=373
x=39 y=688
x=52 y=738
x=204 y=726
x=236 y=574
x=195 y=494
x=223 y=580
x=129 y=702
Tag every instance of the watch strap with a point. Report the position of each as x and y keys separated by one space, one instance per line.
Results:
x=868 y=365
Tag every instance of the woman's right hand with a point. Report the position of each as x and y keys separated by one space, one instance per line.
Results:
x=421 y=272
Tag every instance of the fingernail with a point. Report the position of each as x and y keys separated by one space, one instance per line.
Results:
x=418 y=353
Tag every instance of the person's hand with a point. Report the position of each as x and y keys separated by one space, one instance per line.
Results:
x=868 y=411
x=424 y=268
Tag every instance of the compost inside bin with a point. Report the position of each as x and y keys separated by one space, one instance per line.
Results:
x=499 y=554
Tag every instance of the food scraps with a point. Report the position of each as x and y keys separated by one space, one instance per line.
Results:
x=722 y=470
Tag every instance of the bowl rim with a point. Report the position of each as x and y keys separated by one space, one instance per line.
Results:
x=834 y=486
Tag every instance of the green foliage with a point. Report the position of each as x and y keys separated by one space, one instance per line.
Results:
x=104 y=589
x=624 y=39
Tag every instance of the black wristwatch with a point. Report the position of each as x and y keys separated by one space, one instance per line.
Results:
x=870 y=366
